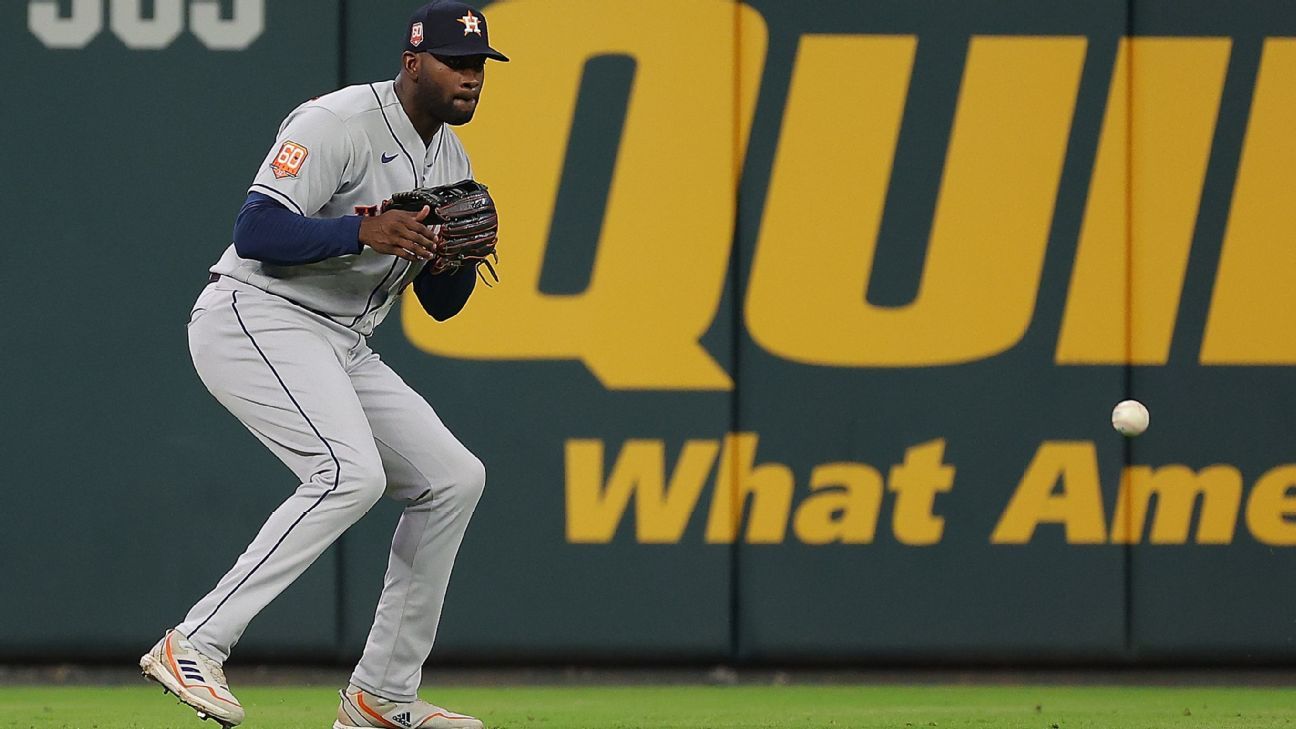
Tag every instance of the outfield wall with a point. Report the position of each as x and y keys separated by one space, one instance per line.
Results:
x=811 y=318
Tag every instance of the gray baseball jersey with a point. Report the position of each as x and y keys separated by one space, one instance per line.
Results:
x=343 y=154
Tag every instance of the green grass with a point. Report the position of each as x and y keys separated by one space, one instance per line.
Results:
x=700 y=707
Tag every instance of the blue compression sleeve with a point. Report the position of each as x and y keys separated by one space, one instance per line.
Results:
x=267 y=231
x=444 y=295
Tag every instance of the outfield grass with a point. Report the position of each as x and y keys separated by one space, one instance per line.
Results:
x=698 y=707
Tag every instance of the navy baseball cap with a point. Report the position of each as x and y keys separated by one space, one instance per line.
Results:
x=449 y=28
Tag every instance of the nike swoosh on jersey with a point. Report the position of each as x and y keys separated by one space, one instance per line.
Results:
x=387 y=159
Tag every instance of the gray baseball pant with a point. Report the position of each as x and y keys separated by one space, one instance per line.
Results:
x=351 y=430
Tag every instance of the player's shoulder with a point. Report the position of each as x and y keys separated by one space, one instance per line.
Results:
x=349 y=102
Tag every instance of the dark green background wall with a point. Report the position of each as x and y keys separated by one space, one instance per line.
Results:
x=128 y=490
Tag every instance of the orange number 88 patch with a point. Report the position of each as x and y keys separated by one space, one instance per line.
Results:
x=289 y=161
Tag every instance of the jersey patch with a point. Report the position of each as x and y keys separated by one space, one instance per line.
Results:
x=289 y=161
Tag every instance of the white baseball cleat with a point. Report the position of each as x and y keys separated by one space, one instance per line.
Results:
x=195 y=679
x=360 y=708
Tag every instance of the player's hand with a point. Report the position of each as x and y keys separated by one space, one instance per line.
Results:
x=400 y=233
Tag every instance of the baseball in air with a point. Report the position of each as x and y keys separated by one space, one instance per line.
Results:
x=1130 y=418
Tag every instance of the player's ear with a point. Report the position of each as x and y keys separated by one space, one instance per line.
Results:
x=410 y=63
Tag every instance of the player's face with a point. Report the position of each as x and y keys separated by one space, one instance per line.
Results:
x=451 y=86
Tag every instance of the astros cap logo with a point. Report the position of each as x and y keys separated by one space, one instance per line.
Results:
x=416 y=34
x=470 y=23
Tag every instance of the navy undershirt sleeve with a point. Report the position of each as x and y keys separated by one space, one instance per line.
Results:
x=267 y=231
x=444 y=295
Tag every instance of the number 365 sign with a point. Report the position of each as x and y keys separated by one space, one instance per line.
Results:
x=128 y=22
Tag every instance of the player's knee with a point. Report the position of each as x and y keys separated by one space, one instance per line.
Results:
x=352 y=483
x=366 y=484
x=462 y=480
x=469 y=480
x=476 y=478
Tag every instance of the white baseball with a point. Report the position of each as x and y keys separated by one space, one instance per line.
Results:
x=1130 y=418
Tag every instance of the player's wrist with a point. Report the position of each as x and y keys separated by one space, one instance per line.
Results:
x=359 y=222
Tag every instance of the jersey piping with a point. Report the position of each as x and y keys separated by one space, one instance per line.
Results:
x=414 y=171
x=383 y=110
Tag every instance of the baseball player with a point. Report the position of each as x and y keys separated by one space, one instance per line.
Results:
x=280 y=337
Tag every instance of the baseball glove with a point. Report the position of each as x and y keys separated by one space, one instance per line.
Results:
x=469 y=224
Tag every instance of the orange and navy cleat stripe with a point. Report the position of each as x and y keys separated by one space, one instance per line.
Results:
x=175 y=671
x=383 y=722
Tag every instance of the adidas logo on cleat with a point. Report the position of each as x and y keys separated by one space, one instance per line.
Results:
x=403 y=718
